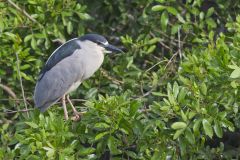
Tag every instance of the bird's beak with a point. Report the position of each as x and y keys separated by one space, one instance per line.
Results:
x=110 y=48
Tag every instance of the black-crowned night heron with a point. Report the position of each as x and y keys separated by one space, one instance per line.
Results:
x=67 y=67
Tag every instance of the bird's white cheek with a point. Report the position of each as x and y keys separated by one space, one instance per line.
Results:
x=106 y=51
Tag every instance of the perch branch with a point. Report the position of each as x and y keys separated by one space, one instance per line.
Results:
x=23 y=110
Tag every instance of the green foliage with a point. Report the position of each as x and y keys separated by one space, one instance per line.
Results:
x=175 y=87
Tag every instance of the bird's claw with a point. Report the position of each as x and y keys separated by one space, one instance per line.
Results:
x=77 y=116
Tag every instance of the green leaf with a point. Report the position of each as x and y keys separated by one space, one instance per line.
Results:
x=201 y=15
x=233 y=67
x=210 y=12
x=134 y=108
x=211 y=23
x=159 y=94
x=218 y=130
x=34 y=43
x=207 y=128
x=69 y=27
x=84 y=16
x=228 y=124
x=153 y=41
x=32 y=124
x=185 y=80
x=180 y=18
x=178 y=133
x=189 y=136
x=101 y=125
x=158 y=8
x=203 y=88
x=25 y=66
x=25 y=76
x=170 y=95
x=196 y=126
x=132 y=154
x=182 y=94
x=235 y=73
x=175 y=90
x=50 y=152
x=112 y=145
x=164 y=20
x=28 y=37
x=178 y=125
x=183 y=115
x=86 y=151
x=172 y=10
x=151 y=49
x=101 y=135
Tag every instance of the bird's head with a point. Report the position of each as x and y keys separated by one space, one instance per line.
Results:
x=101 y=42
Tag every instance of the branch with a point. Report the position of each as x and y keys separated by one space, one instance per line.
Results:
x=20 y=79
x=24 y=110
x=170 y=61
x=23 y=11
x=155 y=65
x=179 y=43
x=8 y=90
x=105 y=74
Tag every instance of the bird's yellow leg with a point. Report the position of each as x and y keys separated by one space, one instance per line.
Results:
x=64 y=107
x=76 y=113
x=73 y=108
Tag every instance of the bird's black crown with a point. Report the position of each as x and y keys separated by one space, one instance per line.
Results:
x=94 y=38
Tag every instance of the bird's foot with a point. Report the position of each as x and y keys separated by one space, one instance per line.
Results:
x=77 y=116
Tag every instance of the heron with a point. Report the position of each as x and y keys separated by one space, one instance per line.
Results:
x=67 y=67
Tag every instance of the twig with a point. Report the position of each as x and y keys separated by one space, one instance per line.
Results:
x=20 y=79
x=24 y=110
x=170 y=61
x=24 y=12
x=155 y=65
x=179 y=43
x=8 y=90
x=165 y=46
x=105 y=74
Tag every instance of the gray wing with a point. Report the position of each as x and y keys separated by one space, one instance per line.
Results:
x=65 y=50
x=57 y=81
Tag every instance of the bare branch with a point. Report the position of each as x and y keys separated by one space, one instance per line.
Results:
x=179 y=43
x=20 y=79
x=114 y=80
x=8 y=90
x=24 y=110
x=170 y=61
x=155 y=65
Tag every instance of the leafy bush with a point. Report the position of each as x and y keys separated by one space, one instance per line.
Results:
x=175 y=88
